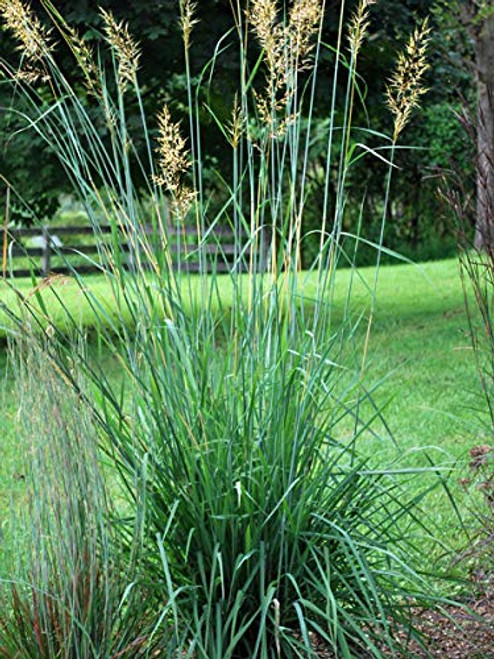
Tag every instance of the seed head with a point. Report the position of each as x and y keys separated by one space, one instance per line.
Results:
x=237 y=124
x=263 y=16
x=173 y=162
x=173 y=158
x=359 y=24
x=182 y=202
x=287 y=47
x=187 y=20
x=406 y=87
x=126 y=49
x=85 y=58
x=33 y=39
x=304 y=18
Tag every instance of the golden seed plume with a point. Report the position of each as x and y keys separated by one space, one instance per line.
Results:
x=406 y=85
x=173 y=157
x=304 y=18
x=173 y=162
x=85 y=58
x=359 y=25
x=187 y=20
x=126 y=49
x=263 y=16
x=182 y=202
x=284 y=44
x=287 y=48
x=34 y=40
x=237 y=124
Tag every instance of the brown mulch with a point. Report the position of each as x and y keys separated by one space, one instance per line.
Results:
x=459 y=633
x=455 y=633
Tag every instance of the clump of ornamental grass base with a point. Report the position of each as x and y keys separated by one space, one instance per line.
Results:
x=69 y=591
x=260 y=526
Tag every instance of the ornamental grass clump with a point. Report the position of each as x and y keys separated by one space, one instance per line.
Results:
x=69 y=590
x=477 y=274
x=261 y=529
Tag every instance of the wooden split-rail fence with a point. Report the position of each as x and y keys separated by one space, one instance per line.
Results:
x=46 y=250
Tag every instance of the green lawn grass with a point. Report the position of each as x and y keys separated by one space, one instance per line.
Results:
x=419 y=355
x=419 y=343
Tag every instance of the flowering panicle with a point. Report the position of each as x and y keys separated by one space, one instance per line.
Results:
x=237 y=124
x=263 y=18
x=359 y=25
x=173 y=162
x=33 y=38
x=406 y=87
x=304 y=18
x=85 y=58
x=287 y=48
x=126 y=49
x=187 y=20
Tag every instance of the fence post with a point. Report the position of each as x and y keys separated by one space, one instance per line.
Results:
x=45 y=264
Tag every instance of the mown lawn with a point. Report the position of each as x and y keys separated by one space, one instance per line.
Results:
x=419 y=355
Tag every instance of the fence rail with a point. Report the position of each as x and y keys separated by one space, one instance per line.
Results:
x=49 y=250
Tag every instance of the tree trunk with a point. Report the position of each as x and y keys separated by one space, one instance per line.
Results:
x=484 y=52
